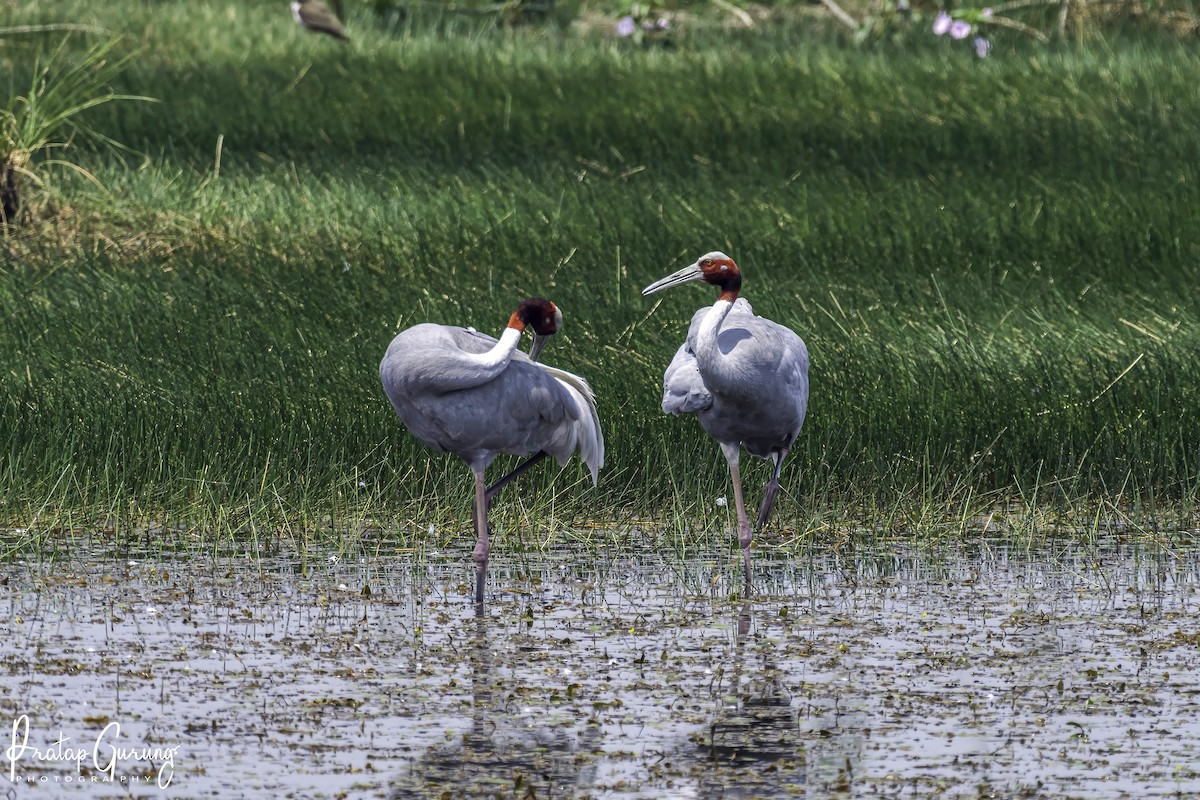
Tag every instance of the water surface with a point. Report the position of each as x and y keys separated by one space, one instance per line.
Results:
x=962 y=671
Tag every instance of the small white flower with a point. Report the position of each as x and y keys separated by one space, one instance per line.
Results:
x=722 y=502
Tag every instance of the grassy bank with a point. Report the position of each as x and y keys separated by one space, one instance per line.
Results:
x=993 y=262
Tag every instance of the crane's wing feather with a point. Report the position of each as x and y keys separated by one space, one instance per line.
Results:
x=583 y=431
x=684 y=391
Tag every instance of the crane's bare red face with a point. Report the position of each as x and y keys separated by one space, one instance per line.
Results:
x=720 y=271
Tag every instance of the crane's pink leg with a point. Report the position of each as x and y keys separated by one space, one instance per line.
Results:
x=482 y=529
x=495 y=488
x=482 y=545
x=744 y=536
x=768 y=501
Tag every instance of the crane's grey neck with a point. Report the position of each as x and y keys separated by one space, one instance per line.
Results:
x=716 y=368
x=500 y=354
x=711 y=326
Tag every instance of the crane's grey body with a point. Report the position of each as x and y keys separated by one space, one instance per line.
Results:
x=744 y=377
x=465 y=393
x=518 y=407
x=757 y=397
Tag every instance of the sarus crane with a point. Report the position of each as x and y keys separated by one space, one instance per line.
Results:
x=744 y=377
x=465 y=393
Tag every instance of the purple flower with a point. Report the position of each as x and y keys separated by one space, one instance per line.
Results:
x=626 y=26
x=987 y=13
x=662 y=24
x=982 y=47
x=960 y=29
x=942 y=23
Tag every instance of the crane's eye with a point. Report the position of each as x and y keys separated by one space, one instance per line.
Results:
x=706 y=262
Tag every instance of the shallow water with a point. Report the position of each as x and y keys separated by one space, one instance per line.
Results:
x=961 y=671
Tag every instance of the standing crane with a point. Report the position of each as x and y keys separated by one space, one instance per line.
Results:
x=744 y=377
x=463 y=392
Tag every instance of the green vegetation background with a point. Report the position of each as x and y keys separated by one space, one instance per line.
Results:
x=994 y=263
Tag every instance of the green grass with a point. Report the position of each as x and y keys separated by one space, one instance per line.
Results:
x=993 y=263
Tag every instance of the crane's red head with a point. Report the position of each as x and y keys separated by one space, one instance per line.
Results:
x=542 y=316
x=539 y=314
x=720 y=271
x=714 y=268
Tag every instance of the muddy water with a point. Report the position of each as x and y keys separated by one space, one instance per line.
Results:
x=967 y=672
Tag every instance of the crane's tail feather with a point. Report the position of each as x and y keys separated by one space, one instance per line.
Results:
x=590 y=440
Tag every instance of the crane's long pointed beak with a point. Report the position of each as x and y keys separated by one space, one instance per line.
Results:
x=535 y=347
x=539 y=339
x=689 y=273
